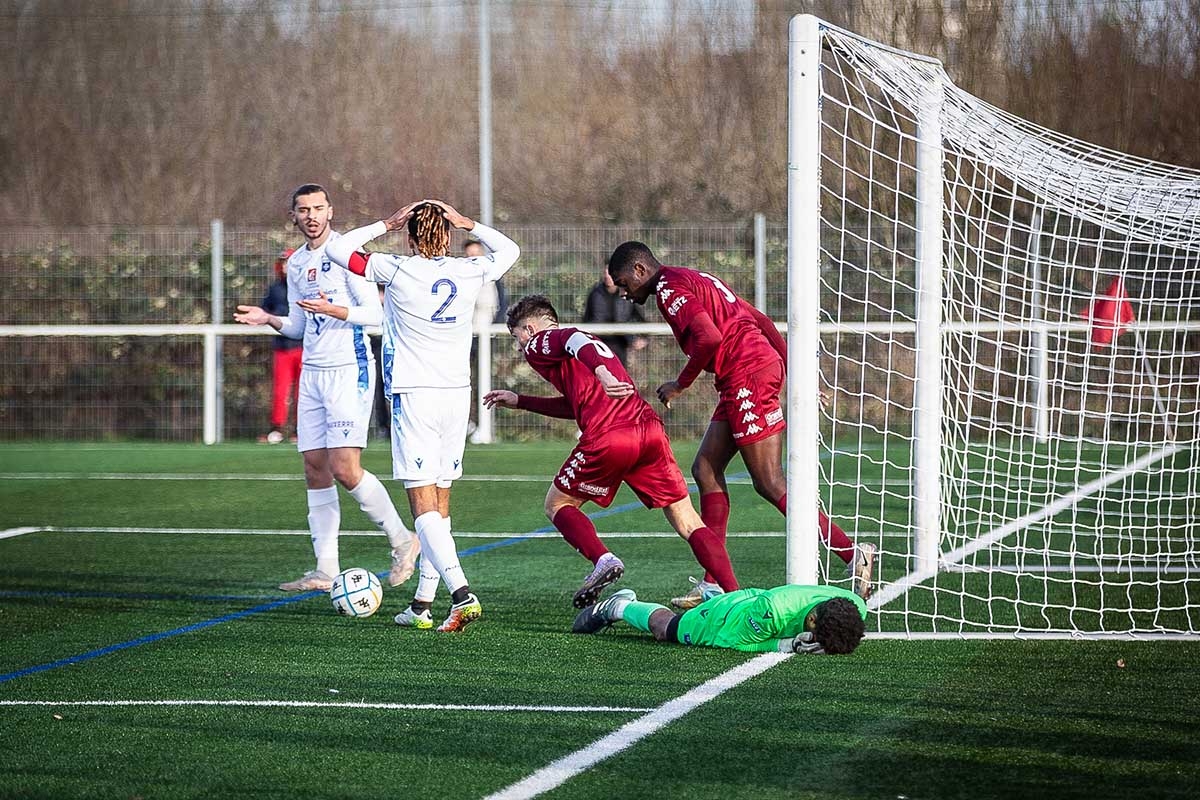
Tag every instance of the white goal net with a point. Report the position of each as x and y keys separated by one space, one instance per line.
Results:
x=1006 y=322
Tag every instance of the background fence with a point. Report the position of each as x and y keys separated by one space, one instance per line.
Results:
x=104 y=384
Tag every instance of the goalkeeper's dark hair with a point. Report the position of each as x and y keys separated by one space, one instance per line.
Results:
x=628 y=254
x=533 y=305
x=310 y=188
x=839 y=626
x=430 y=229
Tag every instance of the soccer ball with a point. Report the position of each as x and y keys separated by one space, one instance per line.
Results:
x=356 y=592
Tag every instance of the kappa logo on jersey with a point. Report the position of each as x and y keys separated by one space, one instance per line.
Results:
x=661 y=285
x=570 y=473
x=312 y=274
x=566 y=484
x=749 y=417
x=775 y=417
x=676 y=304
x=753 y=429
x=742 y=393
x=746 y=405
x=665 y=293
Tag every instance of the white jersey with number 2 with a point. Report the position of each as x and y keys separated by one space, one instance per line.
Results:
x=429 y=304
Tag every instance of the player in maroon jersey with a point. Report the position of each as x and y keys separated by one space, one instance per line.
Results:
x=621 y=439
x=723 y=334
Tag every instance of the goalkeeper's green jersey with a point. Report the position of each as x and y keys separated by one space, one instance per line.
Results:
x=755 y=620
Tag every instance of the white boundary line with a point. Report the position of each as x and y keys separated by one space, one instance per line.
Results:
x=306 y=532
x=316 y=704
x=565 y=768
x=11 y=532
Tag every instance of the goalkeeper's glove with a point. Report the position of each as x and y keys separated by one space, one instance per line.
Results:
x=807 y=644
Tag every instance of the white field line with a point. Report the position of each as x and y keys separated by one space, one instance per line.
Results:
x=11 y=532
x=315 y=704
x=224 y=476
x=306 y=532
x=917 y=577
x=565 y=768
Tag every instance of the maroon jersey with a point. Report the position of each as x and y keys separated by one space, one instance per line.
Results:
x=736 y=339
x=567 y=358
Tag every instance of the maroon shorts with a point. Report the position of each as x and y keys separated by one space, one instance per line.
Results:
x=750 y=404
x=640 y=455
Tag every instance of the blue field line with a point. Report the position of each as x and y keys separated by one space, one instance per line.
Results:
x=214 y=598
x=154 y=637
x=208 y=623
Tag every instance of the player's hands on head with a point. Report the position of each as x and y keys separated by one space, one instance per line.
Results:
x=500 y=397
x=668 y=392
x=453 y=217
x=398 y=220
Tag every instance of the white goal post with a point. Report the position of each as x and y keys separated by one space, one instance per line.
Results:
x=1005 y=322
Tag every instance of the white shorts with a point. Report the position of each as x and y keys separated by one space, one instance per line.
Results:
x=429 y=434
x=333 y=407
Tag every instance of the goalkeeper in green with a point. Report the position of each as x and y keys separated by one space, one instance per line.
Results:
x=787 y=619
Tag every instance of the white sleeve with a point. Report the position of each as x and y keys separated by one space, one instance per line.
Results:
x=340 y=249
x=505 y=251
x=295 y=322
x=367 y=310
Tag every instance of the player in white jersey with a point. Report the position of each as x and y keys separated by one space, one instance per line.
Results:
x=330 y=307
x=429 y=301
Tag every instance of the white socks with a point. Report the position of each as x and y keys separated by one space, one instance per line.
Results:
x=438 y=549
x=375 y=502
x=324 y=520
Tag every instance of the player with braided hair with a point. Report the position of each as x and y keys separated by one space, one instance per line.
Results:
x=814 y=620
x=429 y=300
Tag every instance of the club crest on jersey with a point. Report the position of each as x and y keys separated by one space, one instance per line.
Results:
x=326 y=265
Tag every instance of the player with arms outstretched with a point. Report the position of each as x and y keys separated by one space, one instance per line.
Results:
x=813 y=620
x=429 y=302
x=330 y=308
x=723 y=334
x=622 y=439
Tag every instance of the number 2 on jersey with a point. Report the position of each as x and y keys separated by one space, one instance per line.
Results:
x=439 y=315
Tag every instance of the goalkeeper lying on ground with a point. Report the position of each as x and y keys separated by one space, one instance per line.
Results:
x=787 y=619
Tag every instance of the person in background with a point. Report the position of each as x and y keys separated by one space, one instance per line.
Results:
x=605 y=304
x=286 y=355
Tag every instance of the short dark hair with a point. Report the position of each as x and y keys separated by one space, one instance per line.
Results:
x=533 y=305
x=839 y=626
x=627 y=254
x=310 y=188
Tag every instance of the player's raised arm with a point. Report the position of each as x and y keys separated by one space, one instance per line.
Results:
x=344 y=250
